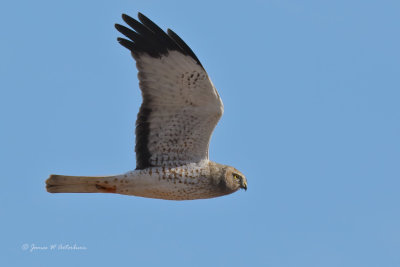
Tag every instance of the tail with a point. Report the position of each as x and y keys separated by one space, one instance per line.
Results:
x=80 y=184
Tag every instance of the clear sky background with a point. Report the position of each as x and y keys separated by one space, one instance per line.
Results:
x=311 y=92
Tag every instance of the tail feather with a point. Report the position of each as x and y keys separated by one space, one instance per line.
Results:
x=79 y=184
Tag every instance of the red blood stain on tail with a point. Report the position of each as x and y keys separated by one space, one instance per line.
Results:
x=106 y=189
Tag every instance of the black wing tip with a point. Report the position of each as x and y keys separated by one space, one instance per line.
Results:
x=141 y=16
x=118 y=26
x=149 y=39
x=187 y=50
x=120 y=39
x=127 y=44
x=125 y=16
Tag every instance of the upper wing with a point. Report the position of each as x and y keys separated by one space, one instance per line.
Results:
x=180 y=108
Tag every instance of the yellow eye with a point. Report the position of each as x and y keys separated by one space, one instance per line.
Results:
x=236 y=176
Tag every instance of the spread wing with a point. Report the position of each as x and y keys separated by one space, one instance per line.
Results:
x=180 y=107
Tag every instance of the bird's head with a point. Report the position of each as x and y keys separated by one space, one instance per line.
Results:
x=234 y=179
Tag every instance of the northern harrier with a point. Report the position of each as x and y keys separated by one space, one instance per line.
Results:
x=179 y=112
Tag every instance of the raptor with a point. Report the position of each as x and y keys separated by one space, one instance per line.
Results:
x=179 y=112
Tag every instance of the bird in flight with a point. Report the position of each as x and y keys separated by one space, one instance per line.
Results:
x=179 y=112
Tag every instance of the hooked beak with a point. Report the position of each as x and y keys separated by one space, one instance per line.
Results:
x=244 y=185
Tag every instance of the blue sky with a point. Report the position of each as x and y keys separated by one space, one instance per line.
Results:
x=311 y=92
